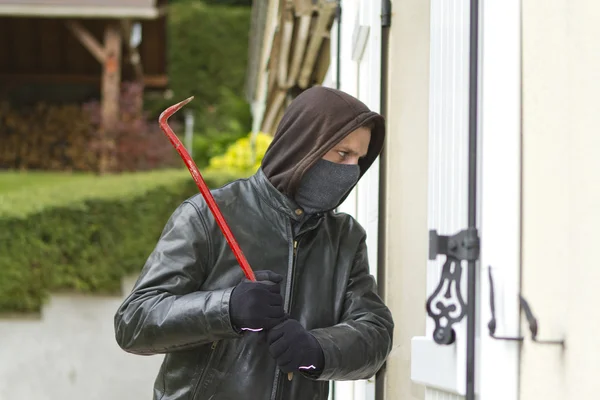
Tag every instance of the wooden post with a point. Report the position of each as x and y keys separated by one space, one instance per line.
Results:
x=111 y=85
x=109 y=56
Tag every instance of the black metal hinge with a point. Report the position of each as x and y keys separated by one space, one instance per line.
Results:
x=446 y=305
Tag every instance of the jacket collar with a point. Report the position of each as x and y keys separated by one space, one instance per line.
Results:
x=274 y=197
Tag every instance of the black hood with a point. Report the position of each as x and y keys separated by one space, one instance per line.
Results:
x=317 y=120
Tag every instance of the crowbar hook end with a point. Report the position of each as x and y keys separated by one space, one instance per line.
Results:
x=165 y=115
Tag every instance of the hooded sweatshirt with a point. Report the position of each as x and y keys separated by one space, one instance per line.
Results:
x=317 y=120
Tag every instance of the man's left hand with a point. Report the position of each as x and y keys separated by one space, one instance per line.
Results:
x=294 y=348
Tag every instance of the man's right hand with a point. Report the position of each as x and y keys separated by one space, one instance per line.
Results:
x=255 y=306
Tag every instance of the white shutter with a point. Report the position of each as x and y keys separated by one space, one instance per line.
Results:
x=442 y=368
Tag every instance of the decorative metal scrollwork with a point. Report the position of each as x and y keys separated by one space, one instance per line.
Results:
x=446 y=305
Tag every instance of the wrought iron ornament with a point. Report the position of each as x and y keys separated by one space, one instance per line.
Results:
x=446 y=305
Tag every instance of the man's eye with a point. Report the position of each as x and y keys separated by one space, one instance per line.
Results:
x=342 y=154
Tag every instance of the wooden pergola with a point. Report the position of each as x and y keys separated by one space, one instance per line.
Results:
x=289 y=52
x=38 y=37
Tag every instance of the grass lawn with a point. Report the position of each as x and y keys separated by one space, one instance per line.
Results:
x=23 y=193
x=14 y=180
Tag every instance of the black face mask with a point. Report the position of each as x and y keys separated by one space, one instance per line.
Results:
x=324 y=185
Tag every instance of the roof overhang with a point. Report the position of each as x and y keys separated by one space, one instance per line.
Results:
x=103 y=9
x=80 y=12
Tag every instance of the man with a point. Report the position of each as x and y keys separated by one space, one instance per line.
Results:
x=313 y=311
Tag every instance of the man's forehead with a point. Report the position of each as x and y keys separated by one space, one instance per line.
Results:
x=358 y=136
x=356 y=143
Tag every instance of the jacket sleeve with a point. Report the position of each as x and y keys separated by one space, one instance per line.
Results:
x=166 y=311
x=358 y=346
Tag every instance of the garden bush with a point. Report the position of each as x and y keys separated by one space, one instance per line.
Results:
x=207 y=58
x=67 y=137
x=138 y=142
x=239 y=159
x=45 y=137
x=85 y=233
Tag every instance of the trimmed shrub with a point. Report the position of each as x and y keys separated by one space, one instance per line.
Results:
x=84 y=234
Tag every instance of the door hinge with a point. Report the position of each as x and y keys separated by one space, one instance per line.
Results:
x=446 y=305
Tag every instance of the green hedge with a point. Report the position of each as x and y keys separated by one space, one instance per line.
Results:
x=83 y=234
x=207 y=58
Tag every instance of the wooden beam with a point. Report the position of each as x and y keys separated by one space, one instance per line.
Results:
x=286 y=32
x=111 y=85
x=322 y=65
x=87 y=40
x=299 y=48
x=324 y=21
x=303 y=7
x=276 y=103
x=153 y=81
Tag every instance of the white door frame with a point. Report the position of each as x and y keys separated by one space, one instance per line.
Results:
x=361 y=76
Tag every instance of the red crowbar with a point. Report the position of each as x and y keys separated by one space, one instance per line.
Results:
x=212 y=205
x=214 y=208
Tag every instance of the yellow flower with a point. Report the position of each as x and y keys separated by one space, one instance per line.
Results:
x=238 y=156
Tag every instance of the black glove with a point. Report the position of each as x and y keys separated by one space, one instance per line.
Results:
x=255 y=306
x=294 y=348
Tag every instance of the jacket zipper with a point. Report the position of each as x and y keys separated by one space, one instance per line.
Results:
x=287 y=301
x=210 y=358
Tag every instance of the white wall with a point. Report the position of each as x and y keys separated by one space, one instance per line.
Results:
x=70 y=354
x=406 y=159
x=561 y=196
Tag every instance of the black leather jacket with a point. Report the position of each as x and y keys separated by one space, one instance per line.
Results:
x=180 y=303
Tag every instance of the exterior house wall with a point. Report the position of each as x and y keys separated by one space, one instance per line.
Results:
x=561 y=197
x=440 y=50
x=541 y=217
x=405 y=162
